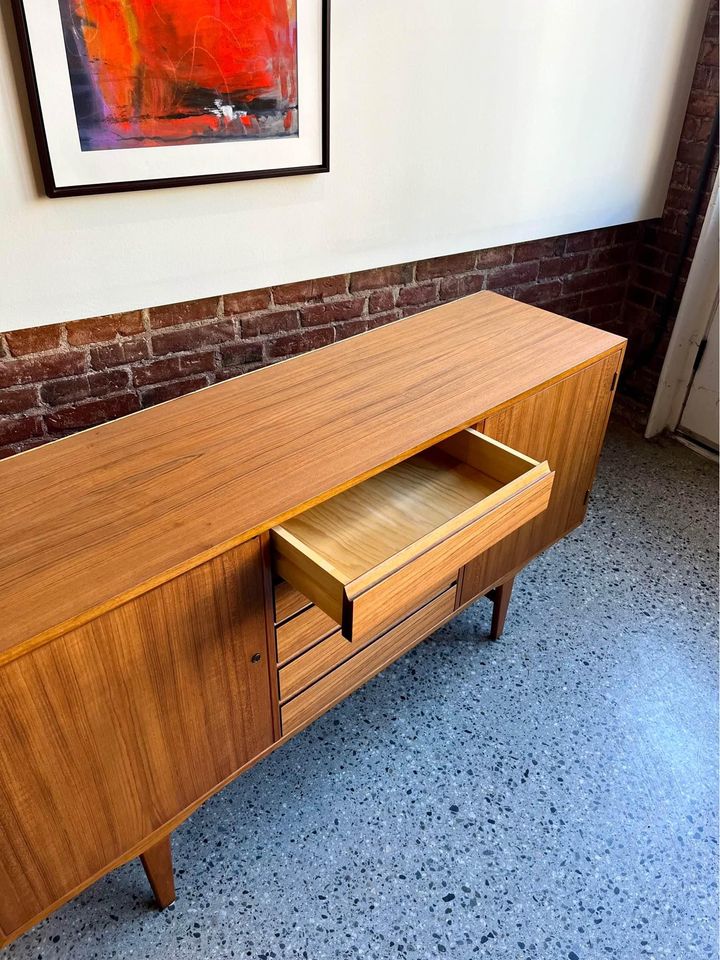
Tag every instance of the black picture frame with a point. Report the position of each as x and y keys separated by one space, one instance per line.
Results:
x=123 y=186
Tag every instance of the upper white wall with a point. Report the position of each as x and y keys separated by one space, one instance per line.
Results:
x=455 y=126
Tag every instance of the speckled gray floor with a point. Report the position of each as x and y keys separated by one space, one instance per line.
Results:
x=551 y=795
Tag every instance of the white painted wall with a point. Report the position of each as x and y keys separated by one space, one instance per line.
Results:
x=455 y=126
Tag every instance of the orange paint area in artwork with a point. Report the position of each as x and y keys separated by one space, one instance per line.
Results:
x=167 y=71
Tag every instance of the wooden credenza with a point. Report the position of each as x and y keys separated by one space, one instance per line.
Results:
x=184 y=589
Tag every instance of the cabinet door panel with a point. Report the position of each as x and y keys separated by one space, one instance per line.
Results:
x=110 y=731
x=565 y=425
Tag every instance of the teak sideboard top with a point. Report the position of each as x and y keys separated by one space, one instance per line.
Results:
x=100 y=517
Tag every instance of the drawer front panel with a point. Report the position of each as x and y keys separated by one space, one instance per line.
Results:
x=304 y=630
x=363 y=665
x=313 y=664
x=382 y=604
x=377 y=551
x=330 y=653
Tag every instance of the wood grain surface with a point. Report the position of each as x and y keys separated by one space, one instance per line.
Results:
x=288 y=601
x=374 y=606
x=109 y=732
x=350 y=675
x=100 y=517
x=565 y=424
x=301 y=632
x=416 y=522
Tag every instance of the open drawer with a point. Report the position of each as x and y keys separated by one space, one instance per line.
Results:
x=374 y=553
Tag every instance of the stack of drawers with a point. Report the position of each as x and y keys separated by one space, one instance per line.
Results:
x=317 y=666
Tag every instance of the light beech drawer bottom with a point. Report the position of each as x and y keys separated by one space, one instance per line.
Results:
x=352 y=674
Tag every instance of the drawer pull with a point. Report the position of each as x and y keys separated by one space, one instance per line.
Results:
x=371 y=554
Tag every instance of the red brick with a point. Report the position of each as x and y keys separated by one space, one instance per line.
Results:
x=420 y=294
x=610 y=256
x=332 y=312
x=99 y=329
x=300 y=342
x=193 y=338
x=169 y=391
x=472 y=283
x=651 y=257
x=560 y=266
x=234 y=372
x=34 y=340
x=450 y=286
x=445 y=266
x=57 y=392
x=412 y=309
x=91 y=413
x=679 y=199
x=19 y=400
x=567 y=306
x=381 y=277
x=692 y=153
x=36 y=369
x=691 y=131
x=701 y=104
x=640 y=296
x=350 y=328
x=247 y=301
x=605 y=315
x=668 y=241
x=594 y=278
x=706 y=79
x=709 y=53
x=539 y=293
x=21 y=428
x=501 y=277
x=539 y=249
x=173 y=314
x=380 y=301
x=381 y=319
x=117 y=354
x=604 y=295
x=494 y=257
x=172 y=368
x=282 y=321
x=307 y=290
x=626 y=233
x=589 y=240
x=242 y=354
x=652 y=280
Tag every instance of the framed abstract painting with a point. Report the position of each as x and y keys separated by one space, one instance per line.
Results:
x=137 y=94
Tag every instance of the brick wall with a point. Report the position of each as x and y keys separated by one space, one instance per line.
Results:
x=660 y=241
x=57 y=379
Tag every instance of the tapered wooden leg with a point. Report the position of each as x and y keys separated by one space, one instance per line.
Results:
x=501 y=601
x=158 y=865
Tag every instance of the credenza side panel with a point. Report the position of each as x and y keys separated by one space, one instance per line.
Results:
x=110 y=731
x=564 y=424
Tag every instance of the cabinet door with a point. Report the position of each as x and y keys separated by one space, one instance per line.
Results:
x=565 y=425
x=114 y=729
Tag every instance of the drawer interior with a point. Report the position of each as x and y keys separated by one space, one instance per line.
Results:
x=371 y=523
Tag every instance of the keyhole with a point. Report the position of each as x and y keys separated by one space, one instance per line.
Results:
x=256 y=657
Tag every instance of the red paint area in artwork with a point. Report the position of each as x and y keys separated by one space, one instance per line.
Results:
x=172 y=70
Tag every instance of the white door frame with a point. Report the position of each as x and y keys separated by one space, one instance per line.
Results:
x=690 y=326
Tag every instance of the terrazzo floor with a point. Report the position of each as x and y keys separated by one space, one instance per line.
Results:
x=551 y=795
